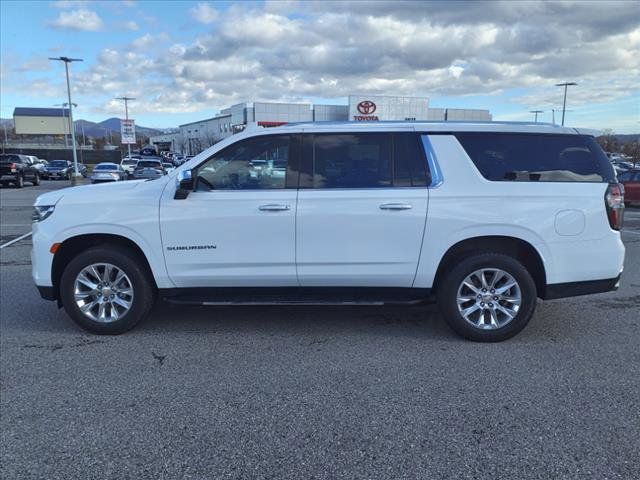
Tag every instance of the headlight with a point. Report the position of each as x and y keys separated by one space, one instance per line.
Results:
x=42 y=212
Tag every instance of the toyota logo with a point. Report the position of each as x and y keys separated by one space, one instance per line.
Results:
x=366 y=107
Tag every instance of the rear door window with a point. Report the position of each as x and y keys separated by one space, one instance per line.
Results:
x=364 y=160
x=523 y=157
x=346 y=160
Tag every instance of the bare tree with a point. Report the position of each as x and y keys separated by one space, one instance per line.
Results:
x=608 y=141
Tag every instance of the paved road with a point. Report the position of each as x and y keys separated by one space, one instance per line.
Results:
x=296 y=392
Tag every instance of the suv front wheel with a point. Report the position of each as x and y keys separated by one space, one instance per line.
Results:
x=106 y=290
x=487 y=297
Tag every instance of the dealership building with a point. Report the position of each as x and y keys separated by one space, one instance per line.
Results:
x=192 y=138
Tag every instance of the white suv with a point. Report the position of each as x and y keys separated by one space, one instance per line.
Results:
x=483 y=217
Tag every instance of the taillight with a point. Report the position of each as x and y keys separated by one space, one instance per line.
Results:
x=13 y=165
x=614 y=202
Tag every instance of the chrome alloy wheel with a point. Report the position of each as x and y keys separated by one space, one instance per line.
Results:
x=489 y=298
x=103 y=292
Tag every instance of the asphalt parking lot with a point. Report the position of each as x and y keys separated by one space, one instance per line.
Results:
x=302 y=392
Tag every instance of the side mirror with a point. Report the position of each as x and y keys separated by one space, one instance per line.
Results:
x=184 y=184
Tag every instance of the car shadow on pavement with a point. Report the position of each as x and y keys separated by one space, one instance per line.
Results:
x=415 y=321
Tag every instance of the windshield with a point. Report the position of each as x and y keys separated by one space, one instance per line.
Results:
x=167 y=165
x=106 y=167
x=9 y=158
x=129 y=162
x=58 y=163
x=148 y=164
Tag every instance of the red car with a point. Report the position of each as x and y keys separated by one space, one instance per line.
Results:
x=631 y=181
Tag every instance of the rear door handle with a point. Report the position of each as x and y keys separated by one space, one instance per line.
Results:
x=396 y=206
x=273 y=207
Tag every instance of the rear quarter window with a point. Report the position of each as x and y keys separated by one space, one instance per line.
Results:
x=523 y=157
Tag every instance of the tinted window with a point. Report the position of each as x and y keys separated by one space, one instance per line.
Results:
x=352 y=161
x=106 y=167
x=521 y=157
x=59 y=164
x=410 y=164
x=148 y=164
x=251 y=164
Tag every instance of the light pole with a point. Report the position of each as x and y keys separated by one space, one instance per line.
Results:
x=536 y=113
x=564 y=102
x=126 y=116
x=67 y=61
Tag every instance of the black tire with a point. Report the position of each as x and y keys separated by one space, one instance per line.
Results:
x=447 y=292
x=36 y=180
x=19 y=183
x=142 y=285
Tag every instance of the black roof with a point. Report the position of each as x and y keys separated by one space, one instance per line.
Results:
x=40 y=112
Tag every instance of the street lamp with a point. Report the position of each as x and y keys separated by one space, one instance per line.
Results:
x=67 y=61
x=536 y=113
x=564 y=102
x=126 y=116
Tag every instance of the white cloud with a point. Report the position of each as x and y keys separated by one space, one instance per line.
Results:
x=130 y=25
x=329 y=50
x=204 y=12
x=70 y=3
x=85 y=20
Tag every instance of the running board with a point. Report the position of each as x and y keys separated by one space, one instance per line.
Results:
x=262 y=296
x=179 y=301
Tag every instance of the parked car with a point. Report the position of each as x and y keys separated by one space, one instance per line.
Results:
x=108 y=172
x=128 y=164
x=40 y=165
x=17 y=169
x=168 y=167
x=58 y=169
x=63 y=169
x=631 y=182
x=148 y=169
x=484 y=218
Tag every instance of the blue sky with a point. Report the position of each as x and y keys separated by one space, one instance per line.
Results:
x=184 y=61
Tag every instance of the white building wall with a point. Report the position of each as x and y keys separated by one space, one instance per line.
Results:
x=282 y=112
x=465 y=115
x=436 y=114
x=330 y=113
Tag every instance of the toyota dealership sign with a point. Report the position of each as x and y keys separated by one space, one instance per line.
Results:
x=371 y=108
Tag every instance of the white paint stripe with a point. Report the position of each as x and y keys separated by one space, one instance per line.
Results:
x=16 y=240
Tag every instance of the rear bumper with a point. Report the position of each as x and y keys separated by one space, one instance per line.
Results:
x=575 y=289
x=8 y=177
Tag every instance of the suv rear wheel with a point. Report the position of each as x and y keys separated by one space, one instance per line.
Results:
x=487 y=297
x=106 y=290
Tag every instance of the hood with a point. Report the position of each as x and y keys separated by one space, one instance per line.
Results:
x=105 y=192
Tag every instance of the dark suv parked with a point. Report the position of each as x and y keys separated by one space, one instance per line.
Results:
x=17 y=169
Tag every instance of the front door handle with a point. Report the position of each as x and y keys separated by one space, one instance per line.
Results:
x=396 y=206
x=274 y=207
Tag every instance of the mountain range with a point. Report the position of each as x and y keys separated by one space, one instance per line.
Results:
x=99 y=129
